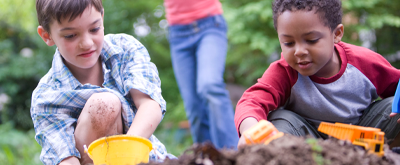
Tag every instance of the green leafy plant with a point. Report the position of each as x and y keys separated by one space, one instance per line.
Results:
x=18 y=147
x=317 y=149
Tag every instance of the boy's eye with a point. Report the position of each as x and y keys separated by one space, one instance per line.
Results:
x=95 y=29
x=70 y=36
x=288 y=43
x=313 y=41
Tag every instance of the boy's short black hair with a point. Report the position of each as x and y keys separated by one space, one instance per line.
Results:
x=50 y=10
x=329 y=11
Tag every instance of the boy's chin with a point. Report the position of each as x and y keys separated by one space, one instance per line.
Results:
x=306 y=73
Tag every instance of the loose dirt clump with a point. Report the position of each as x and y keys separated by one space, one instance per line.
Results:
x=287 y=150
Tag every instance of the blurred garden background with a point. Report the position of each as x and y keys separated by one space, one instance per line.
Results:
x=253 y=45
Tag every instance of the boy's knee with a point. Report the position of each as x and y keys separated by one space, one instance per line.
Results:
x=387 y=102
x=383 y=107
x=104 y=107
x=289 y=122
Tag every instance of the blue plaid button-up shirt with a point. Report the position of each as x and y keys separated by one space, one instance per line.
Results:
x=59 y=97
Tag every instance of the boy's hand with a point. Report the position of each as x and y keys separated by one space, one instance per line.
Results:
x=70 y=161
x=394 y=114
x=147 y=117
x=242 y=142
x=245 y=125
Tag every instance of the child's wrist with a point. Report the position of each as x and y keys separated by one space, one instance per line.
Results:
x=247 y=123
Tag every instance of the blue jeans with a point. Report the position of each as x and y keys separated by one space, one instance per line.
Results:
x=198 y=52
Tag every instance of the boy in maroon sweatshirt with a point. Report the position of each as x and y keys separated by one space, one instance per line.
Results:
x=319 y=77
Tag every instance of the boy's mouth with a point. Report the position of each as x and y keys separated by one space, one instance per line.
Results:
x=87 y=54
x=304 y=64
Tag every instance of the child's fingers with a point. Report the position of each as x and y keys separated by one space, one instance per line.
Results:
x=242 y=142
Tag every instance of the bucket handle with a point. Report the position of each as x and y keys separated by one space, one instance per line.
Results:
x=158 y=154
x=87 y=151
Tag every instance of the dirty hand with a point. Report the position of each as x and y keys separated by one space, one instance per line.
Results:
x=394 y=114
x=242 y=142
x=245 y=125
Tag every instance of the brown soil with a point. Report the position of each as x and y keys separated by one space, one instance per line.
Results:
x=287 y=150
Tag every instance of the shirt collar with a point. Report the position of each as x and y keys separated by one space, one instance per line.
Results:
x=62 y=74
x=110 y=48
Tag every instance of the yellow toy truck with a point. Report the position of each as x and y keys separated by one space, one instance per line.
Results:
x=263 y=132
x=372 y=139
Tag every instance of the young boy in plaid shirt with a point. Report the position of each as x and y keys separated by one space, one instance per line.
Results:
x=98 y=85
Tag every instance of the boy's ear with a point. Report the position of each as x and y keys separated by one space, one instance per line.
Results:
x=338 y=32
x=45 y=36
x=102 y=14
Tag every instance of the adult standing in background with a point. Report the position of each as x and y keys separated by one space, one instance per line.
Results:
x=198 y=43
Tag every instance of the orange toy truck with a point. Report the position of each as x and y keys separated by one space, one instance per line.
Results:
x=372 y=139
x=263 y=132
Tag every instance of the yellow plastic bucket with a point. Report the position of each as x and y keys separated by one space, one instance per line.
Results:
x=120 y=150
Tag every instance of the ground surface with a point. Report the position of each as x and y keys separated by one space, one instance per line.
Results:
x=287 y=150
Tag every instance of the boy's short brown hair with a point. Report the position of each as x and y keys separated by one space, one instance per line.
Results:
x=329 y=11
x=50 y=10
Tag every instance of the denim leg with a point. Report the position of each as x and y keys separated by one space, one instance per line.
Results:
x=211 y=55
x=184 y=65
x=198 y=52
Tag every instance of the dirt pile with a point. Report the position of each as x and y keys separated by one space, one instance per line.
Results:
x=287 y=150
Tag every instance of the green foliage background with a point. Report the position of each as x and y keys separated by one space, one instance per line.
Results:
x=253 y=45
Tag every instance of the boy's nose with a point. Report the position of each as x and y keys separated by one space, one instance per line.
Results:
x=300 y=50
x=86 y=43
